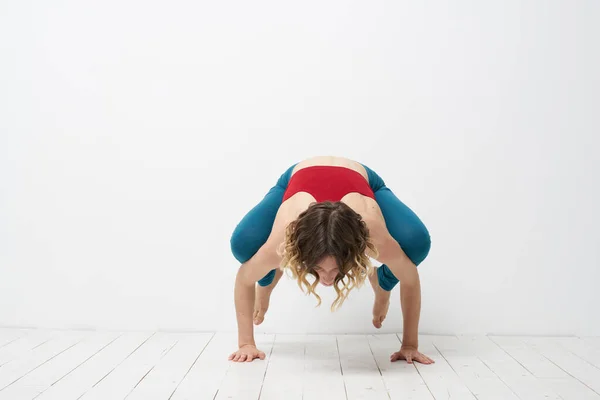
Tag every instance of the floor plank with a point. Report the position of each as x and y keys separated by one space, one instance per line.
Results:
x=362 y=378
x=401 y=379
x=441 y=379
x=130 y=371
x=9 y=335
x=322 y=370
x=580 y=369
x=570 y=389
x=96 y=369
x=582 y=349
x=547 y=372
x=163 y=379
x=206 y=374
x=538 y=365
x=244 y=380
x=22 y=345
x=481 y=380
x=284 y=375
x=513 y=374
x=47 y=374
x=16 y=369
x=592 y=340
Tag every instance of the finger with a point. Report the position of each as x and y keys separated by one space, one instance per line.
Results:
x=395 y=357
x=421 y=358
x=250 y=358
x=243 y=357
x=237 y=357
x=261 y=355
x=409 y=359
x=231 y=356
x=424 y=360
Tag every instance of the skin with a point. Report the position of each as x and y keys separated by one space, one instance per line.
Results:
x=252 y=300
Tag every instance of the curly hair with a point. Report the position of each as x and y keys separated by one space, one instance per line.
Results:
x=328 y=229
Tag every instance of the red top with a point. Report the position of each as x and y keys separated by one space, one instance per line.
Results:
x=328 y=183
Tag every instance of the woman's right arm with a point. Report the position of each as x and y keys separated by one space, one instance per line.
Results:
x=265 y=259
x=248 y=274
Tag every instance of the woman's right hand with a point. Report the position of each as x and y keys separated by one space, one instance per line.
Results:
x=246 y=353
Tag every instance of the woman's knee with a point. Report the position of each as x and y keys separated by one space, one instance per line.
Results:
x=244 y=243
x=418 y=246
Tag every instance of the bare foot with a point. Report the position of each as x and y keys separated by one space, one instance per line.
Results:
x=382 y=301
x=261 y=302
x=262 y=295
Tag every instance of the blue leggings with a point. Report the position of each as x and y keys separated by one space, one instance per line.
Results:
x=402 y=223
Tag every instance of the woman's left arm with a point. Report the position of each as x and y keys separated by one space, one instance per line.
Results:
x=392 y=255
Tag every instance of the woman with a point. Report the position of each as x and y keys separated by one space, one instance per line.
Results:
x=325 y=217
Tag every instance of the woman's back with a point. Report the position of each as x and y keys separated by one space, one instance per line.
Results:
x=331 y=161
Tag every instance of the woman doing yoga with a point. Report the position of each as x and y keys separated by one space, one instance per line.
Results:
x=325 y=218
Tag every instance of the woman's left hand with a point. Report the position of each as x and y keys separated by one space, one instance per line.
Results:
x=411 y=354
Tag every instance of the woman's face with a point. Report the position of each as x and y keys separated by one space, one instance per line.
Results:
x=327 y=270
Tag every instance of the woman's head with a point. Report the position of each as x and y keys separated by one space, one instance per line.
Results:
x=329 y=241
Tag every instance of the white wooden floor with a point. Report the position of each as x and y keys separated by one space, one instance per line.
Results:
x=65 y=365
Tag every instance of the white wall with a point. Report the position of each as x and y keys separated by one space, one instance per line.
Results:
x=135 y=135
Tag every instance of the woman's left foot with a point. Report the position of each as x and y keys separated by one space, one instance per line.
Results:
x=262 y=297
x=261 y=303
x=382 y=301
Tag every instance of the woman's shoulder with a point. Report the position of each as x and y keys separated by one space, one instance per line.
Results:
x=365 y=206
x=288 y=211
